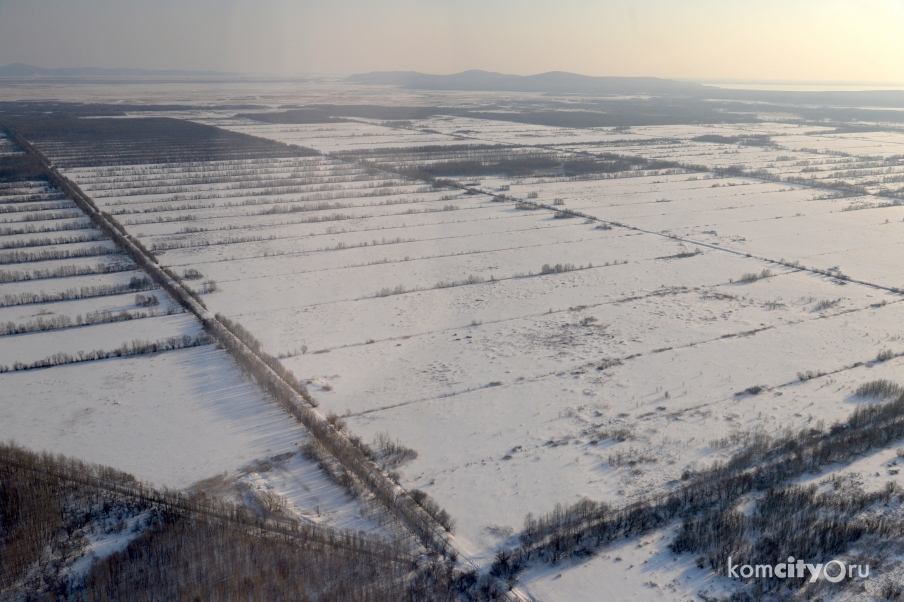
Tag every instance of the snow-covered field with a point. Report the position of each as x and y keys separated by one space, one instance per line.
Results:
x=748 y=285
x=176 y=418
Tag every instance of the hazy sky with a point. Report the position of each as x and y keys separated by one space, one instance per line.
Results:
x=809 y=40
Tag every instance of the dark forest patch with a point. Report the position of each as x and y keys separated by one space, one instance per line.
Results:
x=77 y=142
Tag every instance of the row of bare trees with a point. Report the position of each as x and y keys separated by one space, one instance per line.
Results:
x=136 y=283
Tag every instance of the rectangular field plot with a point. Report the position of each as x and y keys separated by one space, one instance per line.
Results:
x=173 y=418
x=35 y=346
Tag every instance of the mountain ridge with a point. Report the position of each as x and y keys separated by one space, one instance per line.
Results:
x=561 y=82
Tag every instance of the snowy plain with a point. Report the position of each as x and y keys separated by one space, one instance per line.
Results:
x=438 y=327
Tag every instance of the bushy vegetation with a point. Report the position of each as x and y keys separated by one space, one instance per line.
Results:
x=560 y=268
x=825 y=304
x=391 y=453
x=879 y=389
x=146 y=300
x=433 y=509
x=751 y=277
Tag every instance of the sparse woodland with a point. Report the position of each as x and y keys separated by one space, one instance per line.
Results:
x=181 y=548
x=821 y=525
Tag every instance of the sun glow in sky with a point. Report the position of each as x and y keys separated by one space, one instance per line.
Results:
x=799 y=40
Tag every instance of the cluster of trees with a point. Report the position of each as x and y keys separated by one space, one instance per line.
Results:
x=560 y=268
x=840 y=187
x=160 y=208
x=435 y=163
x=333 y=470
x=19 y=168
x=189 y=243
x=391 y=453
x=432 y=508
x=266 y=197
x=393 y=113
x=183 y=548
x=146 y=300
x=45 y=506
x=23 y=191
x=881 y=388
x=224 y=325
x=816 y=527
x=209 y=285
x=58 y=227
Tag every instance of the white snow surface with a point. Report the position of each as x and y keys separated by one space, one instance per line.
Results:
x=510 y=388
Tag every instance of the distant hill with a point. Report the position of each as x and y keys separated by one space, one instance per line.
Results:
x=557 y=82
x=23 y=70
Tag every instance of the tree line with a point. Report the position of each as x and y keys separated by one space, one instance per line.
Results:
x=65 y=271
x=136 y=347
x=136 y=283
x=42 y=323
